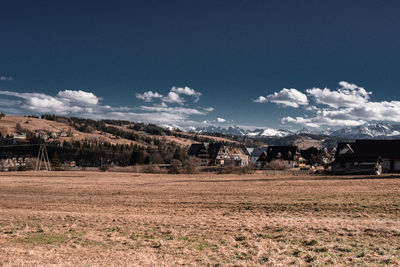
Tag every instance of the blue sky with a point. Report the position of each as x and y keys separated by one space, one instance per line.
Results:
x=208 y=60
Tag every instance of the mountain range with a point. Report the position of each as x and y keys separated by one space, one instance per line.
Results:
x=369 y=131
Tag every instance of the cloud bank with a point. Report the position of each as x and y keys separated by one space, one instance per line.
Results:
x=172 y=109
x=347 y=105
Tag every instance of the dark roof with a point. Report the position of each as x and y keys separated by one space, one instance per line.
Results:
x=263 y=157
x=310 y=152
x=7 y=141
x=195 y=149
x=357 y=158
x=210 y=151
x=213 y=149
x=281 y=152
x=389 y=149
x=246 y=150
x=257 y=151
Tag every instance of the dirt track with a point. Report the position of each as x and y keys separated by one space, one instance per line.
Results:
x=83 y=218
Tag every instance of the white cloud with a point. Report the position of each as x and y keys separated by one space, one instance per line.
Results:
x=221 y=120
x=148 y=96
x=348 y=95
x=286 y=97
x=349 y=105
x=177 y=110
x=318 y=121
x=85 y=98
x=186 y=91
x=43 y=103
x=173 y=97
x=260 y=99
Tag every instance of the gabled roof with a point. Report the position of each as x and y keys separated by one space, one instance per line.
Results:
x=310 y=152
x=254 y=151
x=347 y=150
x=210 y=151
x=389 y=149
x=237 y=150
x=213 y=149
x=263 y=157
x=282 y=152
x=195 y=149
x=248 y=150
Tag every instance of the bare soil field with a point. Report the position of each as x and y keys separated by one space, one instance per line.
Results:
x=114 y=219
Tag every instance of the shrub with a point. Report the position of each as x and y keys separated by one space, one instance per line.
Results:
x=104 y=168
x=235 y=170
x=151 y=169
x=191 y=165
x=176 y=166
x=278 y=164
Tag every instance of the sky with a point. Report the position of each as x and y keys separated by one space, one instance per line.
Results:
x=276 y=64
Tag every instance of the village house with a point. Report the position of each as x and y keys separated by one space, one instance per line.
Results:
x=237 y=157
x=254 y=153
x=367 y=156
x=69 y=164
x=7 y=141
x=42 y=135
x=64 y=134
x=210 y=153
x=20 y=136
x=8 y=163
x=316 y=156
x=199 y=151
x=289 y=154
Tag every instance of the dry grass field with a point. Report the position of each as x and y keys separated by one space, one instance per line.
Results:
x=114 y=219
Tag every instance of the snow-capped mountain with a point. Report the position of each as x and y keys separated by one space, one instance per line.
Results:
x=304 y=131
x=277 y=133
x=379 y=130
x=239 y=131
x=232 y=130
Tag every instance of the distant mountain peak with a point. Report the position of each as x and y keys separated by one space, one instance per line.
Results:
x=377 y=130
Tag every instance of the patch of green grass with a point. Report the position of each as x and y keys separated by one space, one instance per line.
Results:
x=343 y=249
x=311 y=242
x=223 y=242
x=309 y=258
x=242 y=256
x=321 y=249
x=133 y=236
x=240 y=238
x=167 y=237
x=206 y=245
x=183 y=238
x=362 y=254
x=94 y=243
x=263 y=259
x=42 y=238
x=263 y=236
x=296 y=253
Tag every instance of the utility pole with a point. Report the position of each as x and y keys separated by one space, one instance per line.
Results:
x=43 y=157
